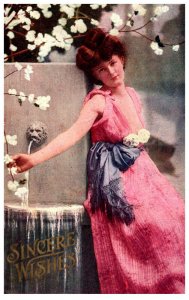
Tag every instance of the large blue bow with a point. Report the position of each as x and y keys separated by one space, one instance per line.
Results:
x=104 y=163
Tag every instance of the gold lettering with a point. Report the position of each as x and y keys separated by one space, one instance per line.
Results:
x=40 y=269
x=38 y=247
x=70 y=239
x=14 y=255
x=22 y=270
x=59 y=242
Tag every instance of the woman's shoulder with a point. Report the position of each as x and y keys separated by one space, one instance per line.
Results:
x=95 y=94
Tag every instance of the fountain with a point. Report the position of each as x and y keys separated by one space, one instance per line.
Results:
x=48 y=241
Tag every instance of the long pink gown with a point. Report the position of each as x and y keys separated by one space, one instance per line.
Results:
x=146 y=257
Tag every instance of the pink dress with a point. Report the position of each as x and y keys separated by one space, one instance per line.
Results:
x=146 y=257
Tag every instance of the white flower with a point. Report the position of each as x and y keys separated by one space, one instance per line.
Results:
x=44 y=49
x=114 y=31
x=39 y=39
x=27 y=27
x=27 y=71
x=68 y=10
x=143 y=135
x=10 y=34
x=43 y=102
x=156 y=48
x=34 y=14
x=175 y=48
x=44 y=6
x=62 y=21
x=30 y=36
x=21 y=192
x=154 y=45
x=18 y=66
x=5 y=57
x=115 y=18
x=79 y=26
x=12 y=185
x=129 y=23
x=47 y=14
x=94 y=22
x=131 y=140
x=11 y=139
x=29 y=8
x=22 y=96
x=159 y=10
x=12 y=47
x=31 y=98
x=158 y=51
x=12 y=92
x=94 y=6
x=141 y=10
x=31 y=47
x=153 y=19
x=7 y=159
x=12 y=170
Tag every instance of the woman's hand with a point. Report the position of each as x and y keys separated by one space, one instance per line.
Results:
x=22 y=162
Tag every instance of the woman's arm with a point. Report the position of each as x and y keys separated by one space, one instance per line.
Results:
x=92 y=109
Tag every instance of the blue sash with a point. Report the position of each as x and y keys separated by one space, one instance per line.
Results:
x=104 y=163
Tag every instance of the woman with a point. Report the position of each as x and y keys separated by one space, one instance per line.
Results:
x=137 y=217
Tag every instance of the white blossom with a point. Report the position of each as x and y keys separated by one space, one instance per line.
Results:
x=115 y=18
x=11 y=139
x=43 y=102
x=44 y=49
x=31 y=46
x=131 y=140
x=47 y=14
x=79 y=26
x=114 y=31
x=39 y=39
x=7 y=159
x=44 y=6
x=12 y=185
x=26 y=27
x=7 y=9
x=31 y=98
x=156 y=48
x=13 y=170
x=175 y=48
x=68 y=10
x=5 y=57
x=34 y=14
x=12 y=92
x=128 y=23
x=12 y=47
x=158 y=51
x=154 y=45
x=18 y=66
x=29 y=8
x=7 y=19
x=141 y=10
x=22 y=96
x=159 y=10
x=96 y=6
x=143 y=135
x=27 y=71
x=22 y=192
x=10 y=34
x=94 y=22
x=62 y=21
x=30 y=36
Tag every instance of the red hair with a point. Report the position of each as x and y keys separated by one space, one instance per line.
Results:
x=98 y=46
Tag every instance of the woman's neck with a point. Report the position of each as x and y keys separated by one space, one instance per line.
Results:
x=118 y=91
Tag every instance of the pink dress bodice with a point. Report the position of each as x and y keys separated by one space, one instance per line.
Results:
x=113 y=125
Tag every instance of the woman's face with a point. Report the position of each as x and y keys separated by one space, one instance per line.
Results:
x=110 y=73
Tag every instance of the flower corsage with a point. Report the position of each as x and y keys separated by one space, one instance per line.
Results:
x=135 y=140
